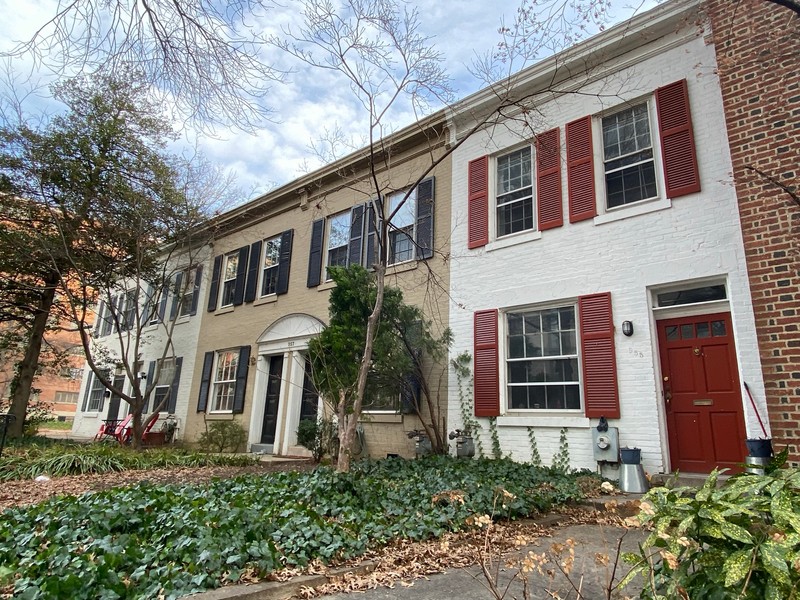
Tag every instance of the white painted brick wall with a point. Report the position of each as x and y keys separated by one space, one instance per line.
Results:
x=697 y=237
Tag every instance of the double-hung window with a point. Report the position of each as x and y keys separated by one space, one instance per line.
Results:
x=514 y=192
x=229 y=278
x=542 y=359
x=401 y=226
x=338 y=239
x=630 y=172
x=271 y=265
x=187 y=283
x=164 y=383
x=225 y=380
x=96 y=394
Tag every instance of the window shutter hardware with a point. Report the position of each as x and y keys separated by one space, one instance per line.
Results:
x=285 y=262
x=598 y=356
x=214 y=291
x=205 y=381
x=478 y=202
x=486 y=364
x=253 y=268
x=548 y=180
x=580 y=170
x=315 y=253
x=677 y=140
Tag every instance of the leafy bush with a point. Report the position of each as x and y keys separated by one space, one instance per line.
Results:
x=741 y=540
x=221 y=436
x=317 y=436
x=166 y=541
x=59 y=459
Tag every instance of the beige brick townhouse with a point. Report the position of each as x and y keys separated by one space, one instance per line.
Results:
x=269 y=288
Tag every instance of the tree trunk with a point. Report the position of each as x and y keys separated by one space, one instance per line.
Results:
x=347 y=430
x=26 y=368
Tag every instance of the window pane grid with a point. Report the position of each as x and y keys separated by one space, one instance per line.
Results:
x=542 y=360
x=401 y=227
x=229 y=285
x=225 y=380
x=629 y=164
x=272 y=257
x=338 y=239
x=514 y=192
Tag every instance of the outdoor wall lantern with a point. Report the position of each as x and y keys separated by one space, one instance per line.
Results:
x=627 y=328
x=107 y=394
x=142 y=375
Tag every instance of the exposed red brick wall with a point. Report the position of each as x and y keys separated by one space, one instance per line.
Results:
x=758 y=53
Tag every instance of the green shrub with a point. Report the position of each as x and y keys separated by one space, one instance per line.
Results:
x=222 y=436
x=317 y=436
x=741 y=540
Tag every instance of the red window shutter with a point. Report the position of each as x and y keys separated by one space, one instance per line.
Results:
x=598 y=356
x=677 y=139
x=486 y=376
x=548 y=179
x=478 y=203
x=580 y=170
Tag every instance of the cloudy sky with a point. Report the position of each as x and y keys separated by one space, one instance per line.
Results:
x=309 y=101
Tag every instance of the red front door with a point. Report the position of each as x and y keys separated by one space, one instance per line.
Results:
x=702 y=394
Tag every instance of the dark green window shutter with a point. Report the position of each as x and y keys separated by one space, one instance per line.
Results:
x=214 y=291
x=424 y=239
x=149 y=383
x=198 y=279
x=173 y=390
x=241 y=379
x=356 y=235
x=252 y=272
x=241 y=275
x=315 y=253
x=285 y=262
x=205 y=381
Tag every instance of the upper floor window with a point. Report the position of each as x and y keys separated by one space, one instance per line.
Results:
x=189 y=282
x=229 y=278
x=401 y=226
x=338 y=239
x=225 y=380
x=514 y=192
x=271 y=264
x=542 y=359
x=630 y=172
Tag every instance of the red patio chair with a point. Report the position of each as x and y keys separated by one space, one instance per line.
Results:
x=123 y=430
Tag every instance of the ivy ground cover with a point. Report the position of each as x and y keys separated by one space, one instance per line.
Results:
x=165 y=541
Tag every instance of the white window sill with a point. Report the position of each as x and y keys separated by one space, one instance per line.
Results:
x=266 y=300
x=224 y=310
x=326 y=285
x=401 y=267
x=535 y=418
x=522 y=237
x=633 y=210
x=381 y=417
x=91 y=415
x=220 y=415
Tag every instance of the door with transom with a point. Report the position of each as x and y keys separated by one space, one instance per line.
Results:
x=702 y=393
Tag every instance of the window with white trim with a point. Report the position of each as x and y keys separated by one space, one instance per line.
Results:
x=187 y=291
x=66 y=397
x=382 y=401
x=97 y=394
x=229 y=278
x=164 y=382
x=514 y=192
x=542 y=371
x=629 y=162
x=224 y=380
x=402 y=226
x=270 y=266
x=338 y=237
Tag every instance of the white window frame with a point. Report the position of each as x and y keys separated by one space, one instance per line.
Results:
x=329 y=239
x=409 y=230
x=188 y=282
x=65 y=397
x=271 y=270
x=505 y=359
x=223 y=383
x=228 y=283
x=97 y=392
x=494 y=182
x=398 y=400
x=128 y=300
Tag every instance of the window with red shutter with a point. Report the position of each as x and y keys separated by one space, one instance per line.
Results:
x=478 y=203
x=580 y=170
x=486 y=365
x=677 y=140
x=601 y=398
